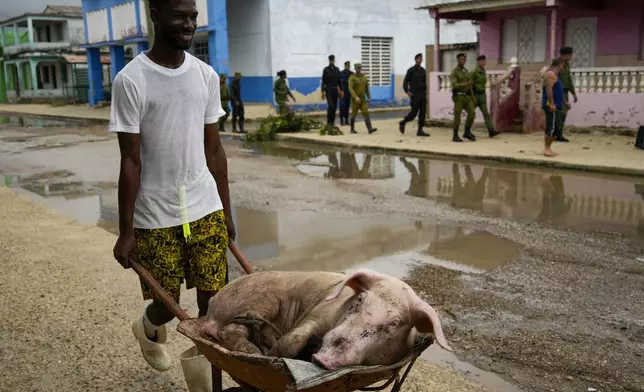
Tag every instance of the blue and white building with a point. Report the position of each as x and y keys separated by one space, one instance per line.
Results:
x=260 y=37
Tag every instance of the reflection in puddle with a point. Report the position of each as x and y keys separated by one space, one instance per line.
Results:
x=569 y=200
x=42 y=122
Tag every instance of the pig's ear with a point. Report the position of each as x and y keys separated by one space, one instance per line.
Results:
x=359 y=281
x=425 y=320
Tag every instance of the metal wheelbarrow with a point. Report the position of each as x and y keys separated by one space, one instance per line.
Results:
x=271 y=374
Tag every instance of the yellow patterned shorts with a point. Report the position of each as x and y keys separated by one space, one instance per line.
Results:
x=200 y=260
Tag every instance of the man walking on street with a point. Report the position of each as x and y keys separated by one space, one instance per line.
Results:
x=463 y=99
x=553 y=104
x=331 y=90
x=415 y=86
x=238 y=104
x=174 y=205
x=225 y=101
x=479 y=78
x=568 y=86
x=345 y=102
x=359 y=89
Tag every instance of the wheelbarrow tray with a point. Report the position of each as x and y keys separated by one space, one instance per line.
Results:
x=271 y=374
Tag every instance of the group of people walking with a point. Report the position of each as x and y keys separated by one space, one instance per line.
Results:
x=230 y=95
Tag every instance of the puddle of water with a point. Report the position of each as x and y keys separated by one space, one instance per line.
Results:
x=585 y=202
x=30 y=121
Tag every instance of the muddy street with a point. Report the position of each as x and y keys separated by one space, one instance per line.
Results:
x=534 y=271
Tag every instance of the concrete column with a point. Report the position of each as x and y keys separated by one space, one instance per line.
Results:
x=218 y=38
x=437 y=43
x=117 y=59
x=95 y=72
x=141 y=47
x=137 y=14
x=2 y=36
x=30 y=29
x=33 y=65
x=19 y=88
x=16 y=39
x=554 y=23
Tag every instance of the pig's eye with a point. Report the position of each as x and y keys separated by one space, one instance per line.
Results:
x=338 y=342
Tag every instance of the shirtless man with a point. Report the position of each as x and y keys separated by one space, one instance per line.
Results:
x=553 y=103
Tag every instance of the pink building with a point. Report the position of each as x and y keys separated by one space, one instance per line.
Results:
x=608 y=67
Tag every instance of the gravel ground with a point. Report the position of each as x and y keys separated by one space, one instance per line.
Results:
x=567 y=315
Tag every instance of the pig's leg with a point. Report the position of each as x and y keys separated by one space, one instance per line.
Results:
x=235 y=338
x=290 y=344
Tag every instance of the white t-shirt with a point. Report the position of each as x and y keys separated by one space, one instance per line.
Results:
x=168 y=108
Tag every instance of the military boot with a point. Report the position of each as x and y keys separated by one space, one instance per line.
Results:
x=492 y=133
x=469 y=135
x=353 y=125
x=369 y=127
x=455 y=137
x=234 y=125
x=241 y=126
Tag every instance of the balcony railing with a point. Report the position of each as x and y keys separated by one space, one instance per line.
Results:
x=36 y=47
x=609 y=80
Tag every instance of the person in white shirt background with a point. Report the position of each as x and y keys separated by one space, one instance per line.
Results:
x=174 y=205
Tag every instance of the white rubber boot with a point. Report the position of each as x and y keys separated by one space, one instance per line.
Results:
x=196 y=370
x=155 y=353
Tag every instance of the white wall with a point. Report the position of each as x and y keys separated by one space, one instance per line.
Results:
x=249 y=46
x=304 y=33
x=75 y=31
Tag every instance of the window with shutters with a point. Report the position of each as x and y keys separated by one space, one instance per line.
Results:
x=525 y=38
x=376 y=60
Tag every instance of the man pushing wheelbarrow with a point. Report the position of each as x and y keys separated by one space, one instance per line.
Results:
x=174 y=205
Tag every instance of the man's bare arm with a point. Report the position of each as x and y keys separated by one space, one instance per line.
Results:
x=129 y=180
x=550 y=80
x=218 y=166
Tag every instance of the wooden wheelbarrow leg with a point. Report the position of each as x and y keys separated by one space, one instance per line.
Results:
x=175 y=309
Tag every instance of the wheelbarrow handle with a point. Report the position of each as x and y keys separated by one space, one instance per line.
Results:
x=161 y=294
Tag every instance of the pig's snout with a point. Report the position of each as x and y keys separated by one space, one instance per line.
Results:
x=317 y=359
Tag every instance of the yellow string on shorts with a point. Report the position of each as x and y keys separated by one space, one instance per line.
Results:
x=184 y=212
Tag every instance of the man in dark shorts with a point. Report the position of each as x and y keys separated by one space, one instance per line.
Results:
x=174 y=206
x=553 y=104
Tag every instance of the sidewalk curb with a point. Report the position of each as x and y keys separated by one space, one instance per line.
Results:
x=538 y=162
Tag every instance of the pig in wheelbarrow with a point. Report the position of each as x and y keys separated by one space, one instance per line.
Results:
x=257 y=372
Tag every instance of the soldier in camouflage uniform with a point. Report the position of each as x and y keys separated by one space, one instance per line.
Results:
x=225 y=101
x=359 y=89
x=282 y=92
x=463 y=98
x=565 y=54
x=479 y=78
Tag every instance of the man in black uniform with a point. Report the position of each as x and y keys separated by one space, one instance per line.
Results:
x=331 y=89
x=415 y=85
x=238 y=104
x=345 y=102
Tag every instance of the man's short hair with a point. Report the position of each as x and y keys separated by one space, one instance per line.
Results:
x=565 y=50
x=347 y=63
x=556 y=62
x=418 y=55
x=331 y=58
x=481 y=57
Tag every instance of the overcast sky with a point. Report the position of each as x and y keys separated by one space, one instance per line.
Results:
x=11 y=8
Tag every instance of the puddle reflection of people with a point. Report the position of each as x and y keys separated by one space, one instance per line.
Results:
x=348 y=166
x=639 y=190
x=471 y=194
x=554 y=208
x=419 y=177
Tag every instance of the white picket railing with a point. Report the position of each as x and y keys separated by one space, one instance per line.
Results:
x=446 y=84
x=609 y=80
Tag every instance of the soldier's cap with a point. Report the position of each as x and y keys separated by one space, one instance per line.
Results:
x=222 y=76
x=481 y=57
x=357 y=65
x=238 y=74
x=565 y=50
x=332 y=57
